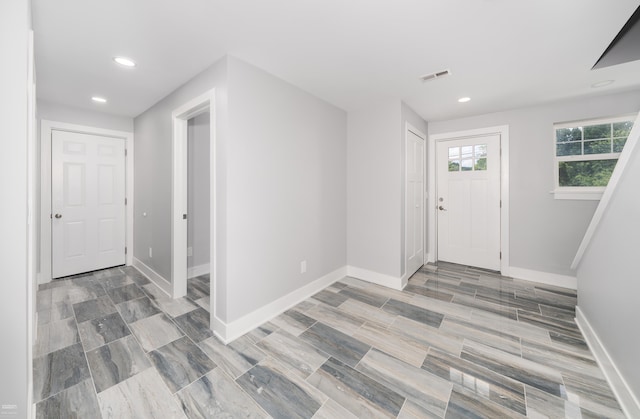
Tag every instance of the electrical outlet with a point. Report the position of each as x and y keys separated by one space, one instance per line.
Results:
x=150 y=252
x=303 y=266
x=189 y=251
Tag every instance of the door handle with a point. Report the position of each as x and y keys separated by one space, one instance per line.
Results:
x=58 y=215
x=441 y=208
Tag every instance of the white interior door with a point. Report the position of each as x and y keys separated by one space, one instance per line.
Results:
x=468 y=201
x=88 y=202
x=415 y=214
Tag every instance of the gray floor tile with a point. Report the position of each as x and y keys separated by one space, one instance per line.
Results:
x=217 y=396
x=138 y=309
x=180 y=363
x=356 y=392
x=58 y=371
x=280 y=394
x=92 y=309
x=195 y=324
x=116 y=362
x=78 y=401
x=97 y=332
x=335 y=343
x=143 y=396
x=155 y=331
x=125 y=293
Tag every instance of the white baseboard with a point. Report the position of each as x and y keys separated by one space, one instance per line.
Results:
x=429 y=258
x=228 y=332
x=153 y=276
x=377 y=278
x=628 y=401
x=547 y=278
x=198 y=270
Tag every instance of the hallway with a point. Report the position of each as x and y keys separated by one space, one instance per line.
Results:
x=456 y=342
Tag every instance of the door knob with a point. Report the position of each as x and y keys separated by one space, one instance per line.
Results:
x=441 y=208
x=58 y=215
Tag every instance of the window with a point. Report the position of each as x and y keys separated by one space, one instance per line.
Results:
x=586 y=154
x=467 y=158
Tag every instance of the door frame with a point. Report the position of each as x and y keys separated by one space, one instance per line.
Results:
x=417 y=132
x=46 y=129
x=503 y=132
x=179 y=191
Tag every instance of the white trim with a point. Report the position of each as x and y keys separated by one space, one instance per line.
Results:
x=180 y=117
x=377 y=278
x=503 y=132
x=616 y=176
x=233 y=330
x=419 y=134
x=547 y=278
x=158 y=280
x=198 y=270
x=628 y=401
x=46 y=128
x=586 y=195
x=32 y=240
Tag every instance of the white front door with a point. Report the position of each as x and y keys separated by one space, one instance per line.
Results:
x=87 y=205
x=468 y=201
x=414 y=231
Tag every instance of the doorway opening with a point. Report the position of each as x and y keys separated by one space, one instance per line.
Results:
x=198 y=208
x=469 y=198
x=200 y=111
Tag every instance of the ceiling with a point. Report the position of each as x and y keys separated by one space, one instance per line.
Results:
x=502 y=53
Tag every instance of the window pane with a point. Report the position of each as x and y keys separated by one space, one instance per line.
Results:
x=454 y=165
x=585 y=173
x=618 y=144
x=593 y=132
x=481 y=150
x=568 y=134
x=622 y=129
x=597 y=147
x=454 y=152
x=467 y=164
x=481 y=164
x=569 y=149
x=467 y=152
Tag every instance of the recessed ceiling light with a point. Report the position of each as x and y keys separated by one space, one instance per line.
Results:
x=99 y=99
x=127 y=62
x=602 y=83
x=464 y=99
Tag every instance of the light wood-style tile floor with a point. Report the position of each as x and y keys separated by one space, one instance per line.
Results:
x=457 y=342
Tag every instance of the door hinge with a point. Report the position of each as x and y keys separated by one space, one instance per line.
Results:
x=500 y=255
x=125 y=250
x=501 y=203
x=125 y=201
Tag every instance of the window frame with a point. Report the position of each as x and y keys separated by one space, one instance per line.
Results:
x=582 y=192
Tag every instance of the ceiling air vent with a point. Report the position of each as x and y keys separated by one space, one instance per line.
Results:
x=433 y=76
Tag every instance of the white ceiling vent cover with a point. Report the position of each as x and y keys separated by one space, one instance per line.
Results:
x=433 y=76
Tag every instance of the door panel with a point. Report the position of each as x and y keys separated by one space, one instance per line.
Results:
x=88 y=211
x=414 y=201
x=468 y=201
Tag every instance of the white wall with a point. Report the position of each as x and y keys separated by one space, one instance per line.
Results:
x=280 y=173
x=15 y=363
x=608 y=285
x=198 y=205
x=545 y=233
x=153 y=145
x=374 y=189
x=71 y=115
x=286 y=197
